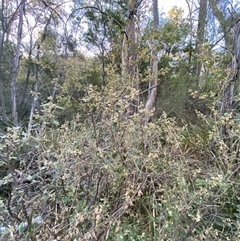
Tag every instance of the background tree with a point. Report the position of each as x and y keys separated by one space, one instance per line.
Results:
x=152 y=93
x=228 y=21
x=202 y=15
x=230 y=89
x=7 y=16
x=15 y=65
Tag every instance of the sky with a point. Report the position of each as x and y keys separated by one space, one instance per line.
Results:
x=166 y=5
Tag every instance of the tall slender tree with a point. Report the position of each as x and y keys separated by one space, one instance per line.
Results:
x=7 y=17
x=202 y=15
x=3 y=32
x=152 y=93
x=231 y=86
x=225 y=21
x=16 y=62
x=129 y=56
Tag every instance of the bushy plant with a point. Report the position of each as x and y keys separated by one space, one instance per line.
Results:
x=107 y=175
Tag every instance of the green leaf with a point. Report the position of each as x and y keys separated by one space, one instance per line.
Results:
x=200 y=182
x=120 y=237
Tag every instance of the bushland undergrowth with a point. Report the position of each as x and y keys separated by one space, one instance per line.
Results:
x=105 y=175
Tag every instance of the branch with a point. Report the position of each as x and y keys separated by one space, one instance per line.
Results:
x=148 y=89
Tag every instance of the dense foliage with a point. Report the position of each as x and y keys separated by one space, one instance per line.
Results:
x=78 y=162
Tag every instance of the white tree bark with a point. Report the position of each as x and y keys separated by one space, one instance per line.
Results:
x=16 y=63
x=36 y=78
x=2 y=99
x=152 y=93
x=232 y=84
x=35 y=94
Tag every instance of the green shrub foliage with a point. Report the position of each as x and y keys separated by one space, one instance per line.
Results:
x=105 y=175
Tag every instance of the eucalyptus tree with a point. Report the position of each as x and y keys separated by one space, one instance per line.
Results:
x=129 y=53
x=15 y=65
x=111 y=26
x=231 y=86
x=8 y=14
x=152 y=93
x=3 y=32
x=198 y=13
x=201 y=26
x=45 y=52
x=104 y=22
x=227 y=14
x=24 y=26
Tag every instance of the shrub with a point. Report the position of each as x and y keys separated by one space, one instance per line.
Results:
x=112 y=177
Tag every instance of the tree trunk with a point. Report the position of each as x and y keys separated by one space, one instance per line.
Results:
x=36 y=77
x=16 y=63
x=232 y=84
x=152 y=93
x=200 y=34
x=2 y=98
x=35 y=91
x=128 y=46
x=129 y=53
x=223 y=23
